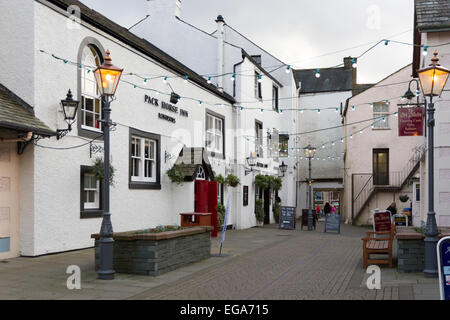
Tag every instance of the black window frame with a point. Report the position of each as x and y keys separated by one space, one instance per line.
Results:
x=258 y=86
x=275 y=98
x=89 y=213
x=141 y=185
x=260 y=126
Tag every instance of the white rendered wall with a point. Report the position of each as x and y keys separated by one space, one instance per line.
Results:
x=359 y=149
x=441 y=135
x=57 y=225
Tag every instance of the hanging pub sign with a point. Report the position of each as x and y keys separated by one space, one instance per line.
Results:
x=410 y=121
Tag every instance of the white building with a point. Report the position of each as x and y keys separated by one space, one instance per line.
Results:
x=322 y=95
x=432 y=32
x=56 y=205
x=49 y=199
x=264 y=107
x=379 y=165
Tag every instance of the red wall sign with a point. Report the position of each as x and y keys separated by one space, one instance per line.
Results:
x=410 y=121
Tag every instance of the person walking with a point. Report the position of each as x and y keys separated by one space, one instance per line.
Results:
x=392 y=208
x=327 y=208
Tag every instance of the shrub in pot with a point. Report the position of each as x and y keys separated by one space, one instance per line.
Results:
x=259 y=210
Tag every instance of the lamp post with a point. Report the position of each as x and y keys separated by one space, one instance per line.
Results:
x=309 y=153
x=432 y=80
x=107 y=77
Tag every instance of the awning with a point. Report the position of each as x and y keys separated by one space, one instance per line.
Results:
x=17 y=115
x=190 y=160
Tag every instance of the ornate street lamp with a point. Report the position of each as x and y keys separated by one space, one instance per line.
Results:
x=251 y=162
x=283 y=168
x=107 y=77
x=70 y=108
x=432 y=80
x=309 y=153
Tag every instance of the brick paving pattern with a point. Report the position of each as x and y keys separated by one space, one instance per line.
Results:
x=258 y=263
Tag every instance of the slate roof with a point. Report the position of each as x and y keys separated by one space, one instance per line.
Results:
x=17 y=115
x=433 y=15
x=101 y=22
x=331 y=79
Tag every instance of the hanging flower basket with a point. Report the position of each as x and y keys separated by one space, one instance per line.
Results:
x=231 y=180
x=99 y=171
x=403 y=198
x=175 y=175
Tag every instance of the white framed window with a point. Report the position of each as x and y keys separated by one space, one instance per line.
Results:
x=91 y=192
x=381 y=115
x=91 y=112
x=214 y=134
x=143 y=164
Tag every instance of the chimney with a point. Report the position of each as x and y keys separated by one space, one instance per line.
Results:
x=164 y=9
x=348 y=64
x=220 y=48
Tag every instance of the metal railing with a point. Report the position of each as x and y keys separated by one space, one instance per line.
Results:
x=364 y=187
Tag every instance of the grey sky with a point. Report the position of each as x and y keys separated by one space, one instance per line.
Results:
x=296 y=30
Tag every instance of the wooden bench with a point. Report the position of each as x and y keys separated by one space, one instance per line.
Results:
x=378 y=245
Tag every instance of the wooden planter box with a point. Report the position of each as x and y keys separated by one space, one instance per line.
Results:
x=156 y=253
x=411 y=248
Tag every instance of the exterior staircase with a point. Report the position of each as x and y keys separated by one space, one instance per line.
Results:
x=363 y=188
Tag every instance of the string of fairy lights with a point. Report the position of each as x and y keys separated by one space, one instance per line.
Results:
x=145 y=80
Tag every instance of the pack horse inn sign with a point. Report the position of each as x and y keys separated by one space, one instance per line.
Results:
x=166 y=106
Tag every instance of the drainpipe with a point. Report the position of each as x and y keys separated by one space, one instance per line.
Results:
x=220 y=46
x=237 y=128
x=25 y=139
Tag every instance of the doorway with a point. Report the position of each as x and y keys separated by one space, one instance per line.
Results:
x=266 y=206
x=9 y=201
x=380 y=166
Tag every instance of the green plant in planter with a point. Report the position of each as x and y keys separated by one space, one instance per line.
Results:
x=262 y=181
x=99 y=173
x=220 y=215
x=175 y=175
x=403 y=198
x=276 y=183
x=276 y=211
x=231 y=180
x=259 y=210
x=219 y=178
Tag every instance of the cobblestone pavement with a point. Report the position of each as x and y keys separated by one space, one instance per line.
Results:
x=257 y=263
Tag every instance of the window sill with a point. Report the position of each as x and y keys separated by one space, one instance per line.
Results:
x=91 y=213
x=214 y=154
x=381 y=129
x=90 y=133
x=144 y=185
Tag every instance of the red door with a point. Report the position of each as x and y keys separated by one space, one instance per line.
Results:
x=206 y=200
